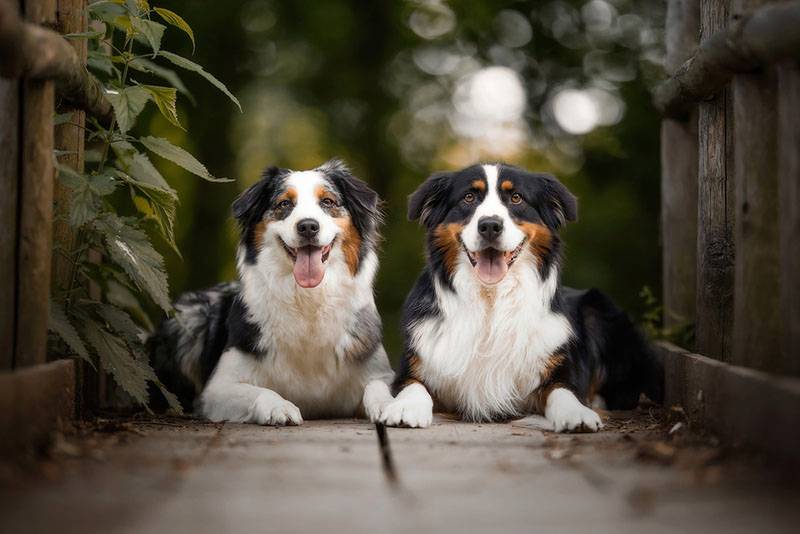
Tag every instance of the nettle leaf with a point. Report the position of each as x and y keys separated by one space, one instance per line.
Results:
x=161 y=204
x=127 y=104
x=166 y=100
x=184 y=63
x=172 y=18
x=101 y=184
x=149 y=67
x=177 y=155
x=100 y=62
x=130 y=373
x=151 y=32
x=59 y=324
x=130 y=248
x=143 y=170
x=83 y=35
x=138 y=165
x=119 y=321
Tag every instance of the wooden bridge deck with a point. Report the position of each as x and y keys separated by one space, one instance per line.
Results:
x=172 y=475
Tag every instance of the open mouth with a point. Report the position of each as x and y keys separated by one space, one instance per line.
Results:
x=491 y=265
x=309 y=263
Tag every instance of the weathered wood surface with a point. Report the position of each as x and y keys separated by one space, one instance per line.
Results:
x=756 y=331
x=739 y=405
x=9 y=178
x=31 y=51
x=789 y=206
x=751 y=39
x=715 y=196
x=69 y=138
x=35 y=404
x=454 y=477
x=36 y=207
x=679 y=178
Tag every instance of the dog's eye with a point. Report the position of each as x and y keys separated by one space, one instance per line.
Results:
x=469 y=198
x=327 y=203
x=284 y=204
x=516 y=198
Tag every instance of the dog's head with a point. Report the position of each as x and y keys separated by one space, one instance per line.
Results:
x=487 y=216
x=308 y=217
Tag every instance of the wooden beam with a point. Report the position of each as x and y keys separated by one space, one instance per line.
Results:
x=789 y=208
x=756 y=324
x=679 y=178
x=35 y=403
x=69 y=138
x=31 y=51
x=741 y=406
x=753 y=38
x=715 y=194
x=9 y=179
x=36 y=207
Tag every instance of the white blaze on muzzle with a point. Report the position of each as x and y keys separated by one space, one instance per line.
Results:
x=491 y=259
x=309 y=254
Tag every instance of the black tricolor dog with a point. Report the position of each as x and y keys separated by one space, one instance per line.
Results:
x=490 y=333
x=299 y=334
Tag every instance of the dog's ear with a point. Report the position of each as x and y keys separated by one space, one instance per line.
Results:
x=249 y=208
x=361 y=202
x=564 y=205
x=431 y=193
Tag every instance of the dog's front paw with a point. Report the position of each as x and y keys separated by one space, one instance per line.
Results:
x=409 y=411
x=376 y=397
x=567 y=413
x=272 y=409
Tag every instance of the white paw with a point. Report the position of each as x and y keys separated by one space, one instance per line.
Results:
x=568 y=414
x=272 y=409
x=407 y=412
x=376 y=397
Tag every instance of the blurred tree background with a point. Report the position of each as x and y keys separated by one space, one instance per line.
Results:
x=400 y=89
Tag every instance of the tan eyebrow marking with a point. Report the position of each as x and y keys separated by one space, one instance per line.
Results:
x=507 y=185
x=289 y=194
x=480 y=185
x=321 y=192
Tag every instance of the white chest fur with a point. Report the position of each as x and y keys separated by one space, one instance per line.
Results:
x=307 y=333
x=485 y=352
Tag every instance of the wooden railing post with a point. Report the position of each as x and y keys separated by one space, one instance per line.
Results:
x=715 y=201
x=679 y=177
x=756 y=339
x=69 y=138
x=34 y=246
x=789 y=205
x=9 y=181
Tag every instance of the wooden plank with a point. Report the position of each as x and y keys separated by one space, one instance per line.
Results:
x=36 y=201
x=715 y=194
x=679 y=178
x=69 y=137
x=35 y=402
x=789 y=206
x=741 y=406
x=756 y=342
x=9 y=179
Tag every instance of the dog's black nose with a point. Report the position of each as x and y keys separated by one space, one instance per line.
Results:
x=308 y=228
x=490 y=227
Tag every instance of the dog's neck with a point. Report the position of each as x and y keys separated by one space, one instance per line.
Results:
x=526 y=282
x=288 y=314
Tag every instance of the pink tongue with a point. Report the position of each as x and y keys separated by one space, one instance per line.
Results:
x=491 y=267
x=308 y=267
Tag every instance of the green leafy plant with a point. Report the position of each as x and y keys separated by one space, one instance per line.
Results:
x=682 y=333
x=121 y=201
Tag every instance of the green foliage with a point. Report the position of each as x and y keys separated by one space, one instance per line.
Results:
x=682 y=333
x=121 y=202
